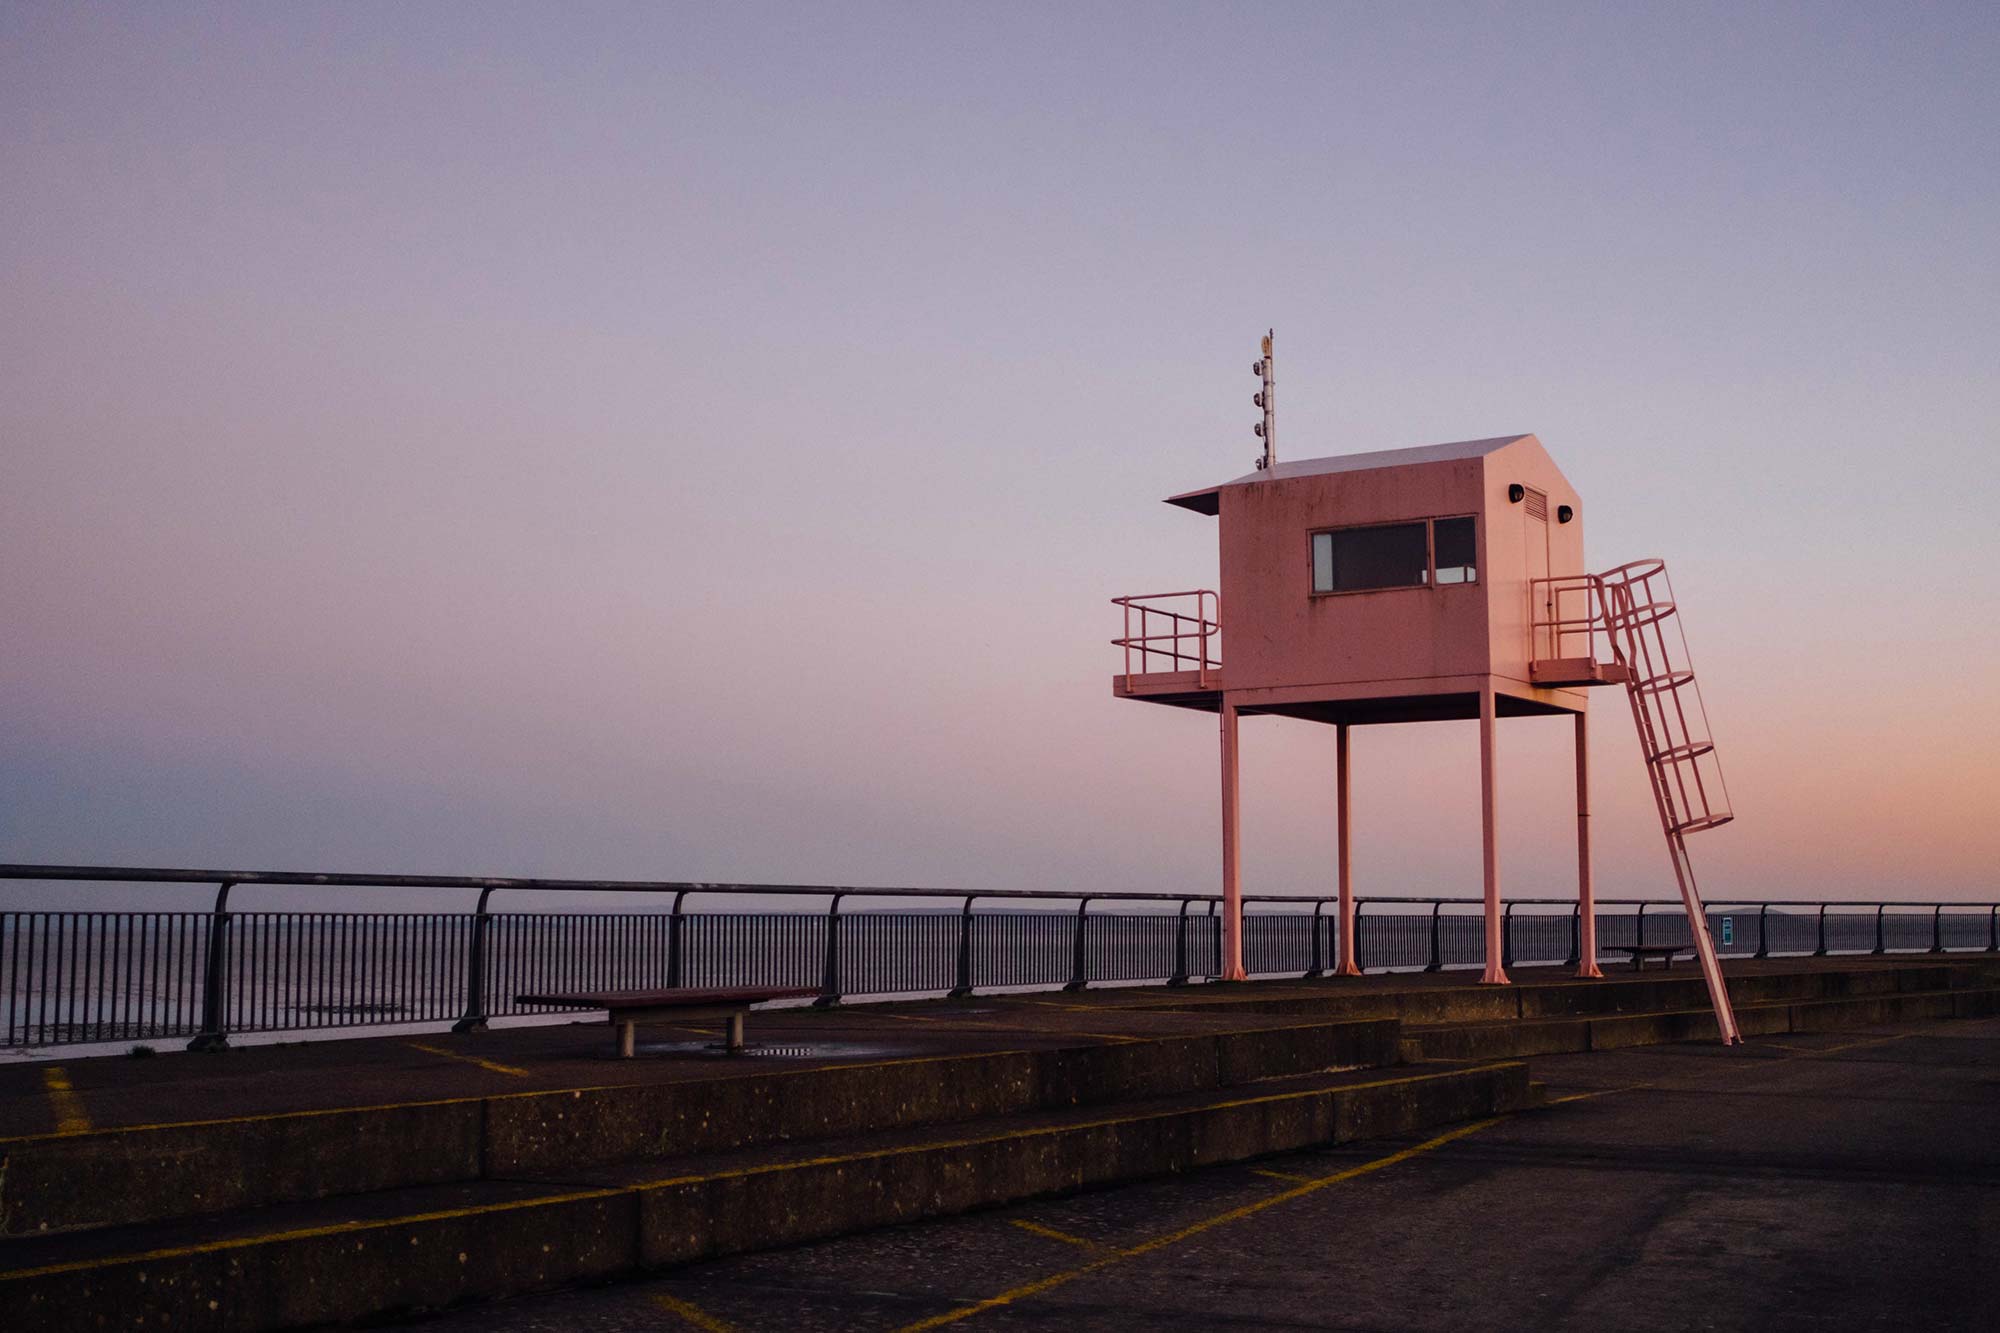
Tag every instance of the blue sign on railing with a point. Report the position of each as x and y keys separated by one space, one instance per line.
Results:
x=1728 y=931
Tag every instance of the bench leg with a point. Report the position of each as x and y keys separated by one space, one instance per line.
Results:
x=627 y=1039
x=733 y=1042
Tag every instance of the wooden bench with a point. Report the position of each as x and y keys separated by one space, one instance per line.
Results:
x=1666 y=953
x=629 y=1008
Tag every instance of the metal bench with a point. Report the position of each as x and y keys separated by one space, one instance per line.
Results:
x=1666 y=953
x=629 y=1008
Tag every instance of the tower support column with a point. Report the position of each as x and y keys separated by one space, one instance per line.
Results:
x=1343 y=800
x=1586 y=893
x=1232 y=859
x=1489 y=846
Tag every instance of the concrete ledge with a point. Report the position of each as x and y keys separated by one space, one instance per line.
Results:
x=58 y=1182
x=348 y=1271
x=1556 y=1036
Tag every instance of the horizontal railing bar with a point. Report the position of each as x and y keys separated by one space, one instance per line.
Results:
x=311 y=879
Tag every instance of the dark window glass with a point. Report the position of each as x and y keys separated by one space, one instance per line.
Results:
x=1457 y=561
x=1356 y=559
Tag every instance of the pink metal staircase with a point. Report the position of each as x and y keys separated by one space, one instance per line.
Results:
x=1631 y=608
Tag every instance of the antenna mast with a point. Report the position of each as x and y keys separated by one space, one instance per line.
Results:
x=1267 y=398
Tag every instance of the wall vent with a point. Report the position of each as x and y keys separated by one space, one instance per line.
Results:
x=1538 y=505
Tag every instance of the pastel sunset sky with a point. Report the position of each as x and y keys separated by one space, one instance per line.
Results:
x=701 y=441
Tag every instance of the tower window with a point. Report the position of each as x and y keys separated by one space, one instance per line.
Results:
x=1454 y=550
x=1395 y=555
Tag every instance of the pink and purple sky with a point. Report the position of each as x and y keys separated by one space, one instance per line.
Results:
x=700 y=441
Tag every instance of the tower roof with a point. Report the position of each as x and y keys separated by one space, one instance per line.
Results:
x=1207 y=499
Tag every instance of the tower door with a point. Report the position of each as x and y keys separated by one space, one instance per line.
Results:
x=1535 y=542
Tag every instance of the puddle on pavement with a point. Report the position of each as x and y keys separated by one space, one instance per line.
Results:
x=775 y=1050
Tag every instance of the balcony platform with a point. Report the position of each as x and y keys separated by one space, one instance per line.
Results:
x=1577 y=671
x=1362 y=703
x=1183 y=689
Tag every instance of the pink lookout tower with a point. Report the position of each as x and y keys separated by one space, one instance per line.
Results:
x=1413 y=585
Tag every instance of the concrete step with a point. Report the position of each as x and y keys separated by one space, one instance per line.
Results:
x=425 y=1247
x=1513 y=1039
x=64 y=1182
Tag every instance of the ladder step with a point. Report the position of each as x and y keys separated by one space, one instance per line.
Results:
x=1663 y=684
x=1682 y=753
x=1640 y=616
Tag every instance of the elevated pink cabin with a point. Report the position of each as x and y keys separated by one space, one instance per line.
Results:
x=1399 y=586
x=1378 y=587
x=1412 y=585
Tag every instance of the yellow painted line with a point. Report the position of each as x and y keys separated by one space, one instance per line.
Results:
x=1036 y=1228
x=740 y=1173
x=495 y=1096
x=1601 y=1092
x=1854 y=1045
x=692 y=1314
x=1269 y=1174
x=1206 y=1224
x=1798 y=1053
x=71 y=1118
x=468 y=1059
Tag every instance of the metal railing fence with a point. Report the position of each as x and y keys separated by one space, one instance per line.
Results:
x=117 y=976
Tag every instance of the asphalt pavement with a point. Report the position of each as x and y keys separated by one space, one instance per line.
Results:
x=1841 y=1181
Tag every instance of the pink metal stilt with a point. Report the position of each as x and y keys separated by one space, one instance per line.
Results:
x=1586 y=893
x=1344 y=856
x=1232 y=861
x=1495 y=974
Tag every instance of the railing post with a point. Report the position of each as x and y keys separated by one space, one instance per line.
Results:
x=829 y=986
x=214 y=1034
x=964 y=986
x=1993 y=930
x=1820 y=952
x=1639 y=929
x=1316 y=969
x=674 y=927
x=1507 y=936
x=1878 y=928
x=1763 y=931
x=1937 y=928
x=1436 y=963
x=474 y=1017
x=1077 y=979
x=1575 y=936
x=1181 y=949
x=1359 y=966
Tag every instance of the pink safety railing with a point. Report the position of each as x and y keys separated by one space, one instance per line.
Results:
x=1567 y=618
x=1623 y=616
x=1639 y=607
x=1179 y=630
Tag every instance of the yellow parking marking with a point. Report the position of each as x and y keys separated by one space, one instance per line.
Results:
x=1036 y=1228
x=466 y=1059
x=71 y=1118
x=1187 y=1232
x=1601 y=1092
x=1269 y=1174
x=460 y=1101
x=740 y=1173
x=692 y=1314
